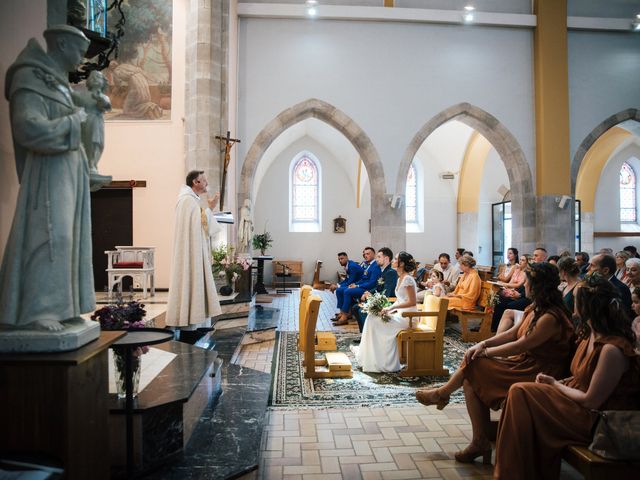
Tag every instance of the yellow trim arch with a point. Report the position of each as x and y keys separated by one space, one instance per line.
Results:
x=471 y=170
x=594 y=161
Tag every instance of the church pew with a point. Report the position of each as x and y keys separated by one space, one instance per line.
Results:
x=421 y=348
x=482 y=313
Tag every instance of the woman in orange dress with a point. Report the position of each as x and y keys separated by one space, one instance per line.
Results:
x=540 y=419
x=540 y=343
x=469 y=286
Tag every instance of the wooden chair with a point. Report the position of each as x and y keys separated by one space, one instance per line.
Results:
x=594 y=467
x=334 y=364
x=421 y=347
x=134 y=262
x=317 y=284
x=481 y=313
x=322 y=340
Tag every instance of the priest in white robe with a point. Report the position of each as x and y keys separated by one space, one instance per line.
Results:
x=193 y=299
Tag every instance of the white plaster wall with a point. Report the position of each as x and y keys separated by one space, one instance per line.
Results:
x=608 y=201
x=338 y=198
x=603 y=78
x=154 y=151
x=19 y=21
x=390 y=78
x=442 y=151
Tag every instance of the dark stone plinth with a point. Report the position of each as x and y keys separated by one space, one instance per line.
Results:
x=263 y=318
x=226 y=440
x=167 y=410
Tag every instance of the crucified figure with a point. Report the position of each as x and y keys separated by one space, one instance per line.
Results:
x=228 y=143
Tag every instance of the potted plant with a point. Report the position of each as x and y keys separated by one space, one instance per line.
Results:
x=123 y=316
x=262 y=241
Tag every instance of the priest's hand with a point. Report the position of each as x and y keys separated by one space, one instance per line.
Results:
x=213 y=201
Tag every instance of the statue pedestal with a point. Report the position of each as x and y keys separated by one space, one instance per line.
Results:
x=76 y=333
x=56 y=404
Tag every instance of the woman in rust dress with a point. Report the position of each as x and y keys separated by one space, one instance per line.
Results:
x=540 y=343
x=540 y=419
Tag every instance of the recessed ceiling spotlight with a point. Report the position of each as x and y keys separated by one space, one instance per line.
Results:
x=468 y=17
x=312 y=11
x=311 y=3
x=469 y=8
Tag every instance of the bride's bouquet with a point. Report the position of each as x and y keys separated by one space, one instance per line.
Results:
x=374 y=305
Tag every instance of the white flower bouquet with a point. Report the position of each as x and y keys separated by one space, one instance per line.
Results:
x=375 y=304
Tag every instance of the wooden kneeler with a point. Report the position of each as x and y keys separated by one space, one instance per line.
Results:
x=323 y=340
x=334 y=364
x=421 y=347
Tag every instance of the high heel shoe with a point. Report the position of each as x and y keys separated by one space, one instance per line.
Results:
x=469 y=454
x=432 y=397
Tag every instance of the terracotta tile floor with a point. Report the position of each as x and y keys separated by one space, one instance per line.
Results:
x=359 y=443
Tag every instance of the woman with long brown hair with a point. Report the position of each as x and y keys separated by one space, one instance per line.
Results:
x=540 y=343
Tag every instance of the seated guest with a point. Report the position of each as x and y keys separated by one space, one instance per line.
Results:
x=541 y=343
x=570 y=276
x=605 y=265
x=386 y=284
x=457 y=254
x=354 y=272
x=632 y=279
x=379 y=347
x=510 y=266
x=540 y=255
x=467 y=291
x=540 y=419
x=582 y=259
x=606 y=251
x=553 y=259
x=512 y=294
x=355 y=289
x=449 y=272
x=633 y=251
x=422 y=280
x=635 y=325
x=621 y=269
x=438 y=288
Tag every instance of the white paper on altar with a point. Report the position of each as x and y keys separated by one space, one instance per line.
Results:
x=153 y=362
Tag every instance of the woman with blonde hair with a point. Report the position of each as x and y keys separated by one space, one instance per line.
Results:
x=467 y=291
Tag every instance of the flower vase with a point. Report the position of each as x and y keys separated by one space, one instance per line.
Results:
x=120 y=371
x=262 y=252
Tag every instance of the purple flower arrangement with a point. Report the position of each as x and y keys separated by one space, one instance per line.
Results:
x=121 y=315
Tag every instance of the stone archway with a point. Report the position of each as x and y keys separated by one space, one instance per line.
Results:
x=587 y=143
x=523 y=205
x=383 y=219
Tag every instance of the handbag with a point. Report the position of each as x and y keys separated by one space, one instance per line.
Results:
x=616 y=435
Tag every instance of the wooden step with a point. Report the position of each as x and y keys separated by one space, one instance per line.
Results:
x=338 y=361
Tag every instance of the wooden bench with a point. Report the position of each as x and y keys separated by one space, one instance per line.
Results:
x=485 y=272
x=480 y=313
x=292 y=273
x=322 y=340
x=595 y=467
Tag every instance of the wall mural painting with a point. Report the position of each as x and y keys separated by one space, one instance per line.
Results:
x=140 y=79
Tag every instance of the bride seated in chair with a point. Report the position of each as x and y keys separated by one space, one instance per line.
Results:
x=378 y=347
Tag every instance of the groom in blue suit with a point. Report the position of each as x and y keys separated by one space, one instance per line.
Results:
x=355 y=290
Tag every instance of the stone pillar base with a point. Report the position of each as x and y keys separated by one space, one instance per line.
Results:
x=555 y=225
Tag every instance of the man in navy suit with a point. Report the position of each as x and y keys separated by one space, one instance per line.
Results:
x=605 y=265
x=355 y=290
x=354 y=273
x=386 y=284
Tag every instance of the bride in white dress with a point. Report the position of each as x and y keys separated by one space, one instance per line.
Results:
x=378 y=347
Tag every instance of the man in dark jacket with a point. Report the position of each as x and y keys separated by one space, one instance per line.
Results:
x=605 y=265
x=386 y=283
x=354 y=273
x=355 y=290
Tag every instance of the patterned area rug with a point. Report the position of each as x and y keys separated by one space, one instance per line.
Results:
x=290 y=388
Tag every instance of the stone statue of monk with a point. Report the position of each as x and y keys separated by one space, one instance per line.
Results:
x=46 y=276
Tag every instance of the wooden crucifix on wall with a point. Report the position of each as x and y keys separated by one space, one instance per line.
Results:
x=228 y=143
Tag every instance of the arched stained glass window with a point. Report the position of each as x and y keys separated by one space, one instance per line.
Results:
x=411 y=194
x=305 y=194
x=627 y=194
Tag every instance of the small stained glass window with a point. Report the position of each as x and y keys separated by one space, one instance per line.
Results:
x=411 y=194
x=305 y=194
x=627 y=194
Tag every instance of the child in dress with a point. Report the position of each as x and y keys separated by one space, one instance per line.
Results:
x=437 y=281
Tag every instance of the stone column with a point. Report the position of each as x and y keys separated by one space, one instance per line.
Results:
x=206 y=87
x=388 y=226
x=555 y=226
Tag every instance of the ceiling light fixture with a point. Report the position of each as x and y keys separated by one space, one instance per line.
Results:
x=468 y=13
x=312 y=9
x=635 y=25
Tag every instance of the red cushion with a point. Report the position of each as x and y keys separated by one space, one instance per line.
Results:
x=128 y=265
